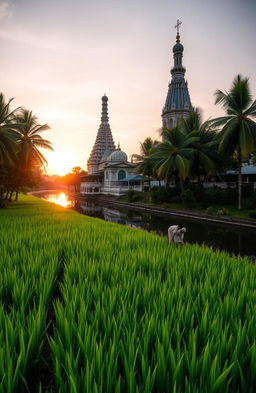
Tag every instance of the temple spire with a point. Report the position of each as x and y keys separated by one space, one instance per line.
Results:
x=104 y=112
x=104 y=143
x=177 y=104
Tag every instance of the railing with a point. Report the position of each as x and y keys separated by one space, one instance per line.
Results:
x=228 y=184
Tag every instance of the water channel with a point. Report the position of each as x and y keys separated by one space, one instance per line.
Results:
x=233 y=239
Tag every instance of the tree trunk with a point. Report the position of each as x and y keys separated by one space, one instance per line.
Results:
x=10 y=197
x=2 y=203
x=239 y=179
x=16 y=196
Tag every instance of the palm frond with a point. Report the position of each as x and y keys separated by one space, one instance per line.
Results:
x=39 y=128
x=229 y=136
x=251 y=111
x=220 y=121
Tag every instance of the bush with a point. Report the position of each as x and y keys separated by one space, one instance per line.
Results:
x=198 y=191
x=164 y=194
x=247 y=190
x=188 y=197
x=133 y=196
x=252 y=214
x=3 y=203
x=209 y=210
x=157 y=194
x=249 y=203
x=222 y=212
x=219 y=196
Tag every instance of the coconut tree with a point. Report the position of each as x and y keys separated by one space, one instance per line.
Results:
x=174 y=154
x=238 y=129
x=30 y=141
x=205 y=156
x=145 y=164
x=8 y=146
x=28 y=158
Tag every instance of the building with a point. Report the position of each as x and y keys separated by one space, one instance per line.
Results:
x=178 y=104
x=109 y=171
x=248 y=172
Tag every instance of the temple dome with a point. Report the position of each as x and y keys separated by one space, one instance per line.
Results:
x=118 y=155
x=178 y=47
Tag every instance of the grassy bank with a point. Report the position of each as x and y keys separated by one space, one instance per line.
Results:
x=109 y=309
x=221 y=209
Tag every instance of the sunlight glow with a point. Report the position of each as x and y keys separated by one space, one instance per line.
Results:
x=61 y=162
x=60 y=199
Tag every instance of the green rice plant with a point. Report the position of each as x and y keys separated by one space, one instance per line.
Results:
x=140 y=316
x=134 y=314
x=29 y=267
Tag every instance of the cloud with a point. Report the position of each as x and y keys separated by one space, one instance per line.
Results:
x=4 y=9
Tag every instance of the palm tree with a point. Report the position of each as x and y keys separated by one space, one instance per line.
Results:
x=173 y=155
x=30 y=141
x=8 y=147
x=28 y=158
x=238 y=135
x=205 y=156
x=145 y=164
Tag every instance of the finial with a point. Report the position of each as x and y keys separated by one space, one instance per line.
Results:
x=177 y=26
x=118 y=147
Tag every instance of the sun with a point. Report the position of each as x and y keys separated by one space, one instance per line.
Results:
x=61 y=162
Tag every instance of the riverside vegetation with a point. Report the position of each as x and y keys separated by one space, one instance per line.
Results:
x=195 y=197
x=128 y=312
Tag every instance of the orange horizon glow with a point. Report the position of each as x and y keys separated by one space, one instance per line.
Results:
x=61 y=162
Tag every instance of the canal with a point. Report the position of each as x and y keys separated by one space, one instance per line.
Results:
x=233 y=239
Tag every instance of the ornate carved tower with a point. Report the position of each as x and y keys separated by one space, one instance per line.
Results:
x=104 y=141
x=177 y=104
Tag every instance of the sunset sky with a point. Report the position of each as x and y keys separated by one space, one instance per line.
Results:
x=59 y=57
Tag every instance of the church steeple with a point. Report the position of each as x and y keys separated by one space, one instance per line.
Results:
x=177 y=104
x=104 y=140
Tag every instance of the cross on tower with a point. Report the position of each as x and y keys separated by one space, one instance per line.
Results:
x=177 y=26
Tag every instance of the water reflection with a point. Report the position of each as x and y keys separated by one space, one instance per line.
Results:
x=60 y=198
x=92 y=208
x=235 y=240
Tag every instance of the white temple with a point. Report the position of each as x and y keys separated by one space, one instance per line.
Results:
x=109 y=171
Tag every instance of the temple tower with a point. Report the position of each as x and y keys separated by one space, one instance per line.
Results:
x=177 y=104
x=104 y=141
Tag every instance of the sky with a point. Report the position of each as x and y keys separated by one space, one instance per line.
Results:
x=58 y=57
